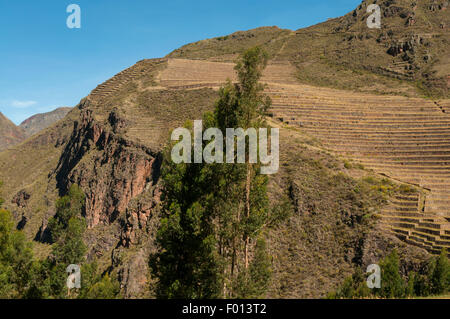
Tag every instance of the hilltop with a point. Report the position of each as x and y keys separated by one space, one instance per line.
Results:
x=407 y=56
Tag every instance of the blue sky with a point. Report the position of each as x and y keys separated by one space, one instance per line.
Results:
x=44 y=64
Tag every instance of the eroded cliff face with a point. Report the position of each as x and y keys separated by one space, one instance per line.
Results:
x=111 y=170
x=120 y=179
x=130 y=258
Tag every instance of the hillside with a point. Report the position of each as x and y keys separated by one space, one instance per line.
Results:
x=9 y=132
x=364 y=172
x=12 y=134
x=40 y=121
x=407 y=56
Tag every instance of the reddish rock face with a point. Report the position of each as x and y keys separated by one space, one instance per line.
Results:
x=110 y=194
x=110 y=170
x=120 y=182
x=139 y=215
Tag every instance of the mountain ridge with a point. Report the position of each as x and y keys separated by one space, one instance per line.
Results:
x=14 y=134
x=407 y=56
x=40 y=121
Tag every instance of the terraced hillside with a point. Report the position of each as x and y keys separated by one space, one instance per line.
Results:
x=406 y=139
x=185 y=73
x=403 y=138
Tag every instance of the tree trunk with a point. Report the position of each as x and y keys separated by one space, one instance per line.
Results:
x=247 y=209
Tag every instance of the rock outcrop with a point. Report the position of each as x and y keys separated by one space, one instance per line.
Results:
x=21 y=198
x=110 y=169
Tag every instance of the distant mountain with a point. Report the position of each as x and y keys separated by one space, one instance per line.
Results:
x=10 y=134
x=41 y=121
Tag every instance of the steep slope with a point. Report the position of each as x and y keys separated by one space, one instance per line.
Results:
x=411 y=47
x=334 y=224
x=10 y=134
x=41 y=121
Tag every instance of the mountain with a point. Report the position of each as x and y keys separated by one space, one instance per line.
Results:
x=9 y=132
x=407 y=56
x=40 y=121
x=364 y=172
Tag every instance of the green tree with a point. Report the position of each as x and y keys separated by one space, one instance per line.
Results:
x=212 y=213
x=66 y=228
x=421 y=285
x=354 y=286
x=432 y=278
x=89 y=277
x=440 y=277
x=254 y=282
x=410 y=288
x=106 y=288
x=243 y=205
x=15 y=259
x=392 y=283
x=70 y=248
x=41 y=285
x=67 y=207
x=23 y=277
x=186 y=267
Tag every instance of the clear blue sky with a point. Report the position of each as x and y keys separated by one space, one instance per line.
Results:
x=44 y=64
